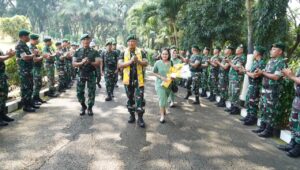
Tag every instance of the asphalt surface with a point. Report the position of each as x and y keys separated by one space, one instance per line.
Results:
x=194 y=137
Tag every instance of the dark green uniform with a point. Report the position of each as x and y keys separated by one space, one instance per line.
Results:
x=204 y=75
x=61 y=70
x=50 y=67
x=117 y=74
x=213 y=78
x=98 y=73
x=37 y=75
x=25 y=72
x=110 y=63
x=3 y=87
x=68 y=68
x=87 y=75
x=194 y=81
x=223 y=82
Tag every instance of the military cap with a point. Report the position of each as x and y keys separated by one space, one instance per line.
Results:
x=229 y=47
x=196 y=47
x=131 y=37
x=240 y=46
x=73 y=44
x=218 y=48
x=46 y=39
x=58 y=43
x=34 y=36
x=279 y=45
x=260 y=49
x=108 y=42
x=65 y=40
x=23 y=33
x=84 y=36
x=206 y=48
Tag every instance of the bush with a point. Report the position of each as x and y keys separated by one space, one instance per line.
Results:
x=12 y=72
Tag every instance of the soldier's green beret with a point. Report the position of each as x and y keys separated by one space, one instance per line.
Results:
x=57 y=43
x=65 y=40
x=46 y=39
x=114 y=43
x=84 y=36
x=279 y=45
x=23 y=33
x=196 y=47
x=260 y=49
x=218 y=48
x=206 y=48
x=229 y=47
x=73 y=44
x=34 y=36
x=108 y=42
x=240 y=46
x=131 y=37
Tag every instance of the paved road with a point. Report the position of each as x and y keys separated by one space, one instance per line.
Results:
x=194 y=137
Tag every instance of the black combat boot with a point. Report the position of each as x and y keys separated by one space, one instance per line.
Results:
x=188 y=95
x=203 y=94
x=52 y=94
x=235 y=111
x=295 y=152
x=90 y=111
x=197 y=101
x=83 y=108
x=5 y=118
x=261 y=128
x=228 y=109
x=41 y=100
x=28 y=108
x=212 y=98
x=108 y=98
x=141 y=122
x=221 y=103
x=288 y=146
x=99 y=85
x=131 y=118
x=2 y=123
x=252 y=120
x=268 y=132
x=243 y=119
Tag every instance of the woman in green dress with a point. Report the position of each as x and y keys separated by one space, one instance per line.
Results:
x=160 y=70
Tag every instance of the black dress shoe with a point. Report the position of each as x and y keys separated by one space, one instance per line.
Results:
x=288 y=146
x=2 y=123
x=90 y=112
x=6 y=118
x=28 y=109
x=295 y=152
x=131 y=118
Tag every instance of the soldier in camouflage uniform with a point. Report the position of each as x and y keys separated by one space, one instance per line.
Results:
x=60 y=67
x=109 y=67
x=271 y=90
x=195 y=68
x=37 y=70
x=133 y=61
x=114 y=48
x=4 y=88
x=68 y=63
x=223 y=76
x=235 y=79
x=87 y=60
x=204 y=71
x=253 y=94
x=213 y=76
x=293 y=148
x=98 y=70
x=50 y=54
x=25 y=62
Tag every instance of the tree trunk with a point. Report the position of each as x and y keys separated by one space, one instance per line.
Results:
x=249 y=5
x=175 y=33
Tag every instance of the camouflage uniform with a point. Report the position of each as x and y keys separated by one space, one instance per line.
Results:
x=3 y=87
x=50 y=69
x=87 y=75
x=223 y=81
x=60 y=67
x=25 y=72
x=253 y=94
x=235 y=80
x=204 y=76
x=68 y=68
x=269 y=101
x=110 y=63
x=117 y=74
x=196 y=75
x=213 y=77
x=37 y=75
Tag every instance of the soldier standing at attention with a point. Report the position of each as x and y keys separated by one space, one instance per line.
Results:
x=223 y=76
x=68 y=63
x=60 y=66
x=37 y=70
x=253 y=94
x=213 y=76
x=25 y=62
x=204 y=71
x=109 y=68
x=271 y=90
x=87 y=60
x=235 y=79
x=98 y=70
x=195 y=68
x=114 y=48
x=133 y=61
x=50 y=59
x=4 y=88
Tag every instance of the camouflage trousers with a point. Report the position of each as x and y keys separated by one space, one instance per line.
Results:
x=135 y=96
x=223 y=87
x=194 y=83
x=37 y=81
x=234 y=92
x=62 y=82
x=294 y=124
x=98 y=75
x=204 y=80
x=3 y=93
x=90 y=82
x=116 y=78
x=110 y=82
x=269 y=105
x=252 y=100
x=26 y=83
x=68 y=70
x=213 y=84
x=51 y=77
